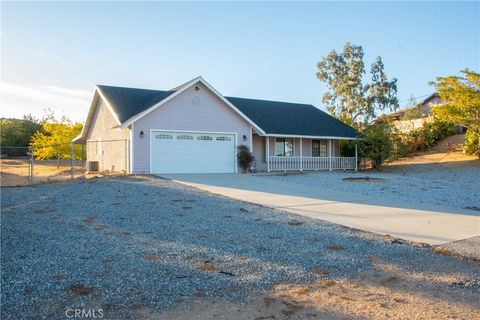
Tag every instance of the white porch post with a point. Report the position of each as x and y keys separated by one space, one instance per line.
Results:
x=268 y=154
x=301 y=154
x=356 y=156
x=330 y=153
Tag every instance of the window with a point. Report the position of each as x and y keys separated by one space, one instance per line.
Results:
x=184 y=137
x=204 y=138
x=284 y=147
x=224 y=139
x=319 y=148
x=163 y=136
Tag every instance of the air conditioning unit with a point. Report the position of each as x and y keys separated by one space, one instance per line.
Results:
x=92 y=166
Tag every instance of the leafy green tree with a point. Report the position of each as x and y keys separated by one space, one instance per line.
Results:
x=54 y=141
x=350 y=99
x=377 y=143
x=18 y=132
x=462 y=105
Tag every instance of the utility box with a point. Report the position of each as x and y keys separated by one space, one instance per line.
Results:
x=92 y=166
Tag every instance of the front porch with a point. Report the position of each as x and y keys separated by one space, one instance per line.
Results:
x=311 y=163
x=279 y=153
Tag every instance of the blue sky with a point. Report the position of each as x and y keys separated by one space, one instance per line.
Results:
x=54 y=53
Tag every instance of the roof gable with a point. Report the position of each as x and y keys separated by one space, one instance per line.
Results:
x=128 y=102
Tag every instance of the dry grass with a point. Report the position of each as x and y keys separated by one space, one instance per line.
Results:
x=15 y=172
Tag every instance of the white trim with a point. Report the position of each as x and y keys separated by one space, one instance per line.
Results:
x=275 y=147
x=301 y=154
x=184 y=88
x=308 y=137
x=267 y=151
x=91 y=113
x=109 y=106
x=330 y=152
x=77 y=138
x=131 y=150
x=251 y=139
x=191 y=131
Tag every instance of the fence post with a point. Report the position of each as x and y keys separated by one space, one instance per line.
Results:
x=30 y=166
x=356 y=157
x=72 y=159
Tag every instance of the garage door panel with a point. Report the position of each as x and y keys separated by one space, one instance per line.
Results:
x=179 y=152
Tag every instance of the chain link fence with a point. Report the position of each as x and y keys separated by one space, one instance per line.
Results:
x=20 y=166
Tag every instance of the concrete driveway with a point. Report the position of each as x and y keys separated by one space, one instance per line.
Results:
x=416 y=222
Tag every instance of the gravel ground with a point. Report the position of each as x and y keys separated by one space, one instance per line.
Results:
x=123 y=244
x=439 y=185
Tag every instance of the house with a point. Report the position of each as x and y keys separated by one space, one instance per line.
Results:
x=194 y=129
x=414 y=117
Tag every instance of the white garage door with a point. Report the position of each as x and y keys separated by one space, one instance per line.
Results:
x=184 y=152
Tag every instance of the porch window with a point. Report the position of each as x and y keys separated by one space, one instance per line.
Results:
x=319 y=148
x=284 y=147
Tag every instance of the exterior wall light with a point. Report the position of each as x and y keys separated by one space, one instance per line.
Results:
x=142 y=134
x=244 y=138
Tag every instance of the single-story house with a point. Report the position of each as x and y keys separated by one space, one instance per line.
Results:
x=195 y=129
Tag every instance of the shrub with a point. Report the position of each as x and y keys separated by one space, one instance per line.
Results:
x=377 y=143
x=425 y=137
x=472 y=143
x=245 y=157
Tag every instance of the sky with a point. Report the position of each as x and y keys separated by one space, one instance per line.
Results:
x=54 y=53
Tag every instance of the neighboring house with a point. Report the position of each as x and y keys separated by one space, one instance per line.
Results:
x=414 y=117
x=194 y=129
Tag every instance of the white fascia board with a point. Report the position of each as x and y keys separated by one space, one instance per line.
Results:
x=309 y=137
x=185 y=87
x=109 y=106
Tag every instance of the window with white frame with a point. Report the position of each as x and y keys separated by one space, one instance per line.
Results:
x=205 y=138
x=284 y=147
x=224 y=139
x=319 y=148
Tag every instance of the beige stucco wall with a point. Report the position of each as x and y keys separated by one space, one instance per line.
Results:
x=106 y=144
x=191 y=110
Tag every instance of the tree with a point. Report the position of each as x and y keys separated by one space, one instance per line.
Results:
x=349 y=98
x=377 y=143
x=18 y=132
x=54 y=141
x=462 y=105
x=414 y=111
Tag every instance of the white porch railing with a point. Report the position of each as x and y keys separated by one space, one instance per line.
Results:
x=311 y=163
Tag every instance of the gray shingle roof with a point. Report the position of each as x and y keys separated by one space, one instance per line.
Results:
x=287 y=118
x=273 y=117
x=128 y=102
